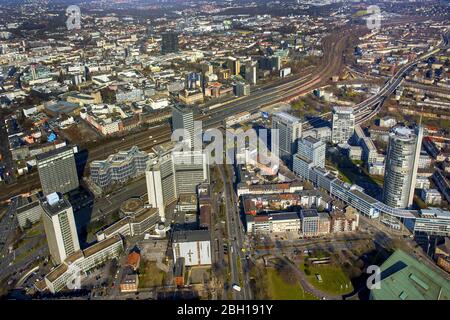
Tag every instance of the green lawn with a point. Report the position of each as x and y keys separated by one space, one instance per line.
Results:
x=350 y=172
x=280 y=290
x=150 y=275
x=334 y=280
x=34 y=231
x=360 y=13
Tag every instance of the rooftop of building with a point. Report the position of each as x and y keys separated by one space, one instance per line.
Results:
x=341 y=109
x=183 y=108
x=53 y=153
x=284 y=216
x=131 y=205
x=55 y=203
x=163 y=148
x=287 y=117
x=187 y=198
x=115 y=226
x=119 y=158
x=143 y=214
x=57 y=272
x=191 y=236
x=99 y=246
x=26 y=202
x=403 y=132
x=434 y=212
x=363 y=196
x=323 y=215
x=133 y=259
x=311 y=140
x=304 y=159
x=405 y=278
x=309 y=213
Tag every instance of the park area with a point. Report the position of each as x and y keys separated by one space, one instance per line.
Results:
x=279 y=289
x=329 y=278
x=150 y=275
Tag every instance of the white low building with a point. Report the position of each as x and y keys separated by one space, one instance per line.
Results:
x=194 y=246
x=76 y=265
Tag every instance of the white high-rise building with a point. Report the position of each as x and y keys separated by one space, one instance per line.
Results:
x=183 y=118
x=402 y=161
x=60 y=227
x=343 y=124
x=290 y=130
x=311 y=153
x=172 y=173
x=160 y=180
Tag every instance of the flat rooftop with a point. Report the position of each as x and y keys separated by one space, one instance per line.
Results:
x=55 y=208
x=52 y=153
x=101 y=245
x=191 y=236
x=309 y=213
x=363 y=196
x=183 y=108
x=284 y=216
x=405 y=278
x=434 y=212
x=26 y=203
x=286 y=117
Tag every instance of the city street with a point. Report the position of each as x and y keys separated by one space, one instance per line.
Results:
x=236 y=238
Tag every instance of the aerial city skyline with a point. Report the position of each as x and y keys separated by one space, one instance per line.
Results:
x=225 y=150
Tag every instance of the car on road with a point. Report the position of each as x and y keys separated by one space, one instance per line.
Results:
x=236 y=288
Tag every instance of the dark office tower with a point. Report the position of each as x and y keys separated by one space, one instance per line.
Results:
x=183 y=118
x=169 y=42
x=57 y=170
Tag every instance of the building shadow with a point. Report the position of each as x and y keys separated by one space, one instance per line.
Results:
x=82 y=201
x=81 y=159
x=317 y=122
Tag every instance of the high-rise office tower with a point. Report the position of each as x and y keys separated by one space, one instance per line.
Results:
x=60 y=227
x=193 y=81
x=57 y=170
x=290 y=130
x=251 y=72
x=313 y=150
x=172 y=173
x=169 y=42
x=343 y=124
x=311 y=153
x=183 y=118
x=234 y=65
x=191 y=169
x=402 y=160
x=160 y=179
x=242 y=89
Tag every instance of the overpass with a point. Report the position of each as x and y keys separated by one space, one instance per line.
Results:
x=367 y=109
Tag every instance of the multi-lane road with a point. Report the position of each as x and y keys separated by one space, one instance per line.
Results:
x=237 y=240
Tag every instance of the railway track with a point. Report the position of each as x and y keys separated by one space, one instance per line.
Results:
x=283 y=92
